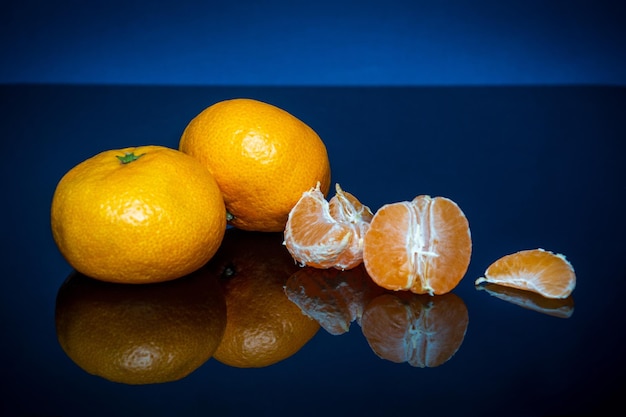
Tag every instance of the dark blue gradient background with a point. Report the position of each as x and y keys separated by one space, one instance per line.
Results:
x=279 y=42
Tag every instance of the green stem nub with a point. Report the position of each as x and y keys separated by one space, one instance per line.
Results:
x=129 y=157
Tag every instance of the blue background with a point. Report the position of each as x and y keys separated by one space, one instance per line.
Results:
x=279 y=42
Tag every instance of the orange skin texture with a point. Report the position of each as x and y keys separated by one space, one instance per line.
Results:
x=157 y=218
x=140 y=334
x=262 y=157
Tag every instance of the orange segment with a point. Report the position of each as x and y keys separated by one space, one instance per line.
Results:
x=423 y=245
x=324 y=234
x=537 y=270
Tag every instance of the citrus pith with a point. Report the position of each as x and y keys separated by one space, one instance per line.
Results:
x=327 y=234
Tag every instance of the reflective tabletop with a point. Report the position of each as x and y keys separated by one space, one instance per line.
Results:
x=531 y=167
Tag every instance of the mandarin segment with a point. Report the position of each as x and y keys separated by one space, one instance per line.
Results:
x=537 y=270
x=327 y=234
x=423 y=245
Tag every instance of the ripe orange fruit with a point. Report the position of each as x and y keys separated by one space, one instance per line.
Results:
x=140 y=334
x=422 y=330
x=263 y=327
x=423 y=245
x=556 y=307
x=332 y=297
x=262 y=157
x=325 y=234
x=537 y=270
x=138 y=215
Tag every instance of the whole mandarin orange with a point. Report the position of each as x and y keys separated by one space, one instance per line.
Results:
x=263 y=327
x=140 y=334
x=262 y=157
x=138 y=215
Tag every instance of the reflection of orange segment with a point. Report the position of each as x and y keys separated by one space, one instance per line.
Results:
x=327 y=234
x=562 y=308
x=421 y=330
x=537 y=270
x=423 y=245
x=333 y=298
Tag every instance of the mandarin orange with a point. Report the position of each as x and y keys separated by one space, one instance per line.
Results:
x=140 y=334
x=537 y=270
x=327 y=234
x=422 y=245
x=262 y=157
x=263 y=326
x=138 y=215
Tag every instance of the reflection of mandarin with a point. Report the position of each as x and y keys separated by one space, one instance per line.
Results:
x=333 y=298
x=423 y=245
x=263 y=326
x=557 y=307
x=424 y=331
x=327 y=234
x=142 y=334
x=262 y=157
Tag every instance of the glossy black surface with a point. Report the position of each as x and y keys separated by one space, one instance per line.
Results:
x=530 y=167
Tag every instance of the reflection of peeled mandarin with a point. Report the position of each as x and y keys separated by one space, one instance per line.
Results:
x=423 y=330
x=557 y=307
x=332 y=297
x=140 y=334
x=263 y=326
